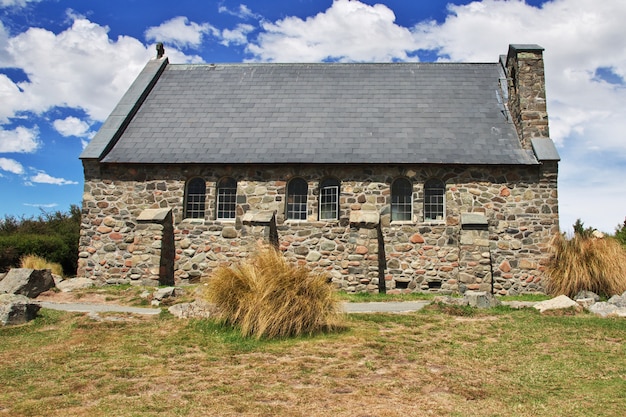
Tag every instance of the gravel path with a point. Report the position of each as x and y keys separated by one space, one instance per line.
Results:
x=374 y=307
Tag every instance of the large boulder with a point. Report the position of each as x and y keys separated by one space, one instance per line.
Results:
x=17 y=309
x=27 y=282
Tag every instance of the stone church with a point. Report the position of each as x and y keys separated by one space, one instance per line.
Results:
x=434 y=177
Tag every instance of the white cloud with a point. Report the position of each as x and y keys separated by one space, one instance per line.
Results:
x=19 y=140
x=43 y=178
x=16 y=3
x=80 y=67
x=347 y=31
x=237 y=36
x=42 y=205
x=11 y=165
x=72 y=126
x=179 y=31
x=243 y=12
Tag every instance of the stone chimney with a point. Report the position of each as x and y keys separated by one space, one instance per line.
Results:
x=527 y=92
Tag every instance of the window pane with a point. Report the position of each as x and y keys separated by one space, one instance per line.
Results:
x=401 y=200
x=297 y=199
x=329 y=203
x=434 y=193
x=329 y=199
x=196 y=199
x=227 y=199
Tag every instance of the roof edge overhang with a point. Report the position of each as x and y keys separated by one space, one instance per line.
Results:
x=458 y=164
x=125 y=110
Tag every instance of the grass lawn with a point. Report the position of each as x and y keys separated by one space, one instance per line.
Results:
x=436 y=362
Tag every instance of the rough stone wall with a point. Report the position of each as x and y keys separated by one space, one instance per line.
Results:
x=520 y=204
x=527 y=94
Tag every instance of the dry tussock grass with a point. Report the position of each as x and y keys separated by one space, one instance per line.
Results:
x=37 y=262
x=585 y=263
x=268 y=297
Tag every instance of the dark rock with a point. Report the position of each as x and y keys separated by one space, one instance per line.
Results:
x=17 y=309
x=27 y=282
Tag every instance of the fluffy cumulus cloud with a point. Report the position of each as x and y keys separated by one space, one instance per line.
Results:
x=11 y=165
x=180 y=32
x=81 y=67
x=347 y=31
x=19 y=140
x=237 y=36
x=43 y=178
x=72 y=126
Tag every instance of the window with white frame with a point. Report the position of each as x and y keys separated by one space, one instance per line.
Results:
x=226 y=199
x=329 y=199
x=401 y=200
x=434 y=200
x=195 y=199
x=297 y=191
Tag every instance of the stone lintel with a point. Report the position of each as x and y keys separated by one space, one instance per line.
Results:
x=364 y=218
x=474 y=221
x=154 y=215
x=252 y=218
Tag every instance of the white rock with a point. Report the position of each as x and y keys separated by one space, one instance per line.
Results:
x=559 y=303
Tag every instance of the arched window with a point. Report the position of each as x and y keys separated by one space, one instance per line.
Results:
x=329 y=199
x=226 y=199
x=434 y=200
x=401 y=200
x=195 y=199
x=297 y=191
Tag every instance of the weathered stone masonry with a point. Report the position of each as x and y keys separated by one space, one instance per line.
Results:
x=519 y=206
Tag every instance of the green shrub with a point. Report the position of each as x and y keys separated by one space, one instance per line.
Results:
x=620 y=233
x=23 y=236
x=586 y=263
x=14 y=247
x=267 y=297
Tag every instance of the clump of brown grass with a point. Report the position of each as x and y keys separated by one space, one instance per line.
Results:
x=37 y=262
x=586 y=263
x=269 y=297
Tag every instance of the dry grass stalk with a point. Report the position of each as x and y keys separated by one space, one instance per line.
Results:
x=37 y=262
x=585 y=263
x=269 y=297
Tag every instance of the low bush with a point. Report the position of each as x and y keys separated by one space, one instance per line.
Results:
x=586 y=263
x=267 y=297
x=53 y=236
x=14 y=247
x=37 y=262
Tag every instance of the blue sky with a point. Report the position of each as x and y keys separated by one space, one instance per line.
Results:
x=65 y=64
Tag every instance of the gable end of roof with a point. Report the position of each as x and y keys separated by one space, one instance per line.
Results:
x=120 y=117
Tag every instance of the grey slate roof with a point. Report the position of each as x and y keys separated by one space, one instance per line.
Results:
x=320 y=113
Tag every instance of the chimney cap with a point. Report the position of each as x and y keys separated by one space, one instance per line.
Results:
x=516 y=48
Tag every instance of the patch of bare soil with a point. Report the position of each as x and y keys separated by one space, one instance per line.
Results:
x=79 y=297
